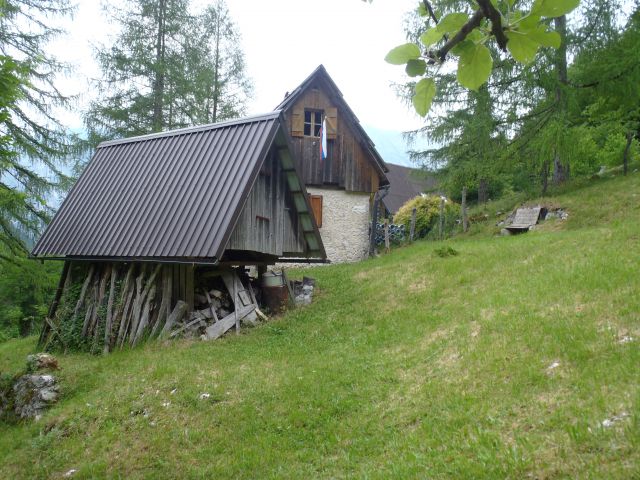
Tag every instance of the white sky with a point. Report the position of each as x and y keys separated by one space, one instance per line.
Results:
x=284 y=41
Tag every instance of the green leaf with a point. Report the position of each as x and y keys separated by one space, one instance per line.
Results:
x=452 y=22
x=474 y=67
x=424 y=93
x=553 y=8
x=431 y=36
x=463 y=47
x=522 y=46
x=402 y=54
x=546 y=39
x=416 y=68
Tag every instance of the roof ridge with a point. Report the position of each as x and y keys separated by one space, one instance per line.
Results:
x=193 y=129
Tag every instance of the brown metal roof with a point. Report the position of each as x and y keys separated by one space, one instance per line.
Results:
x=165 y=196
x=405 y=184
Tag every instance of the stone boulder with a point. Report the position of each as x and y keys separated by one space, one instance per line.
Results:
x=33 y=394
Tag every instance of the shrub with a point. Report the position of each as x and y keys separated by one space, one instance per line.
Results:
x=428 y=215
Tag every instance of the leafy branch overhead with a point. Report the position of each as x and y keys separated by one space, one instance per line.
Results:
x=515 y=29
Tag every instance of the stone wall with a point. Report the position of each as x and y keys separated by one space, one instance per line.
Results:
x=345 y=224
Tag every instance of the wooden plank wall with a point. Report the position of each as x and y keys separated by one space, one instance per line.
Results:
x=348 y=164
x=266 y=225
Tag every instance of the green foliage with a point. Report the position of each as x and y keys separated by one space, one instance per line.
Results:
x=445 y=251
x=26 y=290
x=475 y=66
x=427 y=214
x=524 y=26
x=168 y=68
x=33 y=144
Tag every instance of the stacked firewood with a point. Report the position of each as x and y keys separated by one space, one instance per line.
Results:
x=119 y=305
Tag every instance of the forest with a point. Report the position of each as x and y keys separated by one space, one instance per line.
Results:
x=547 y=98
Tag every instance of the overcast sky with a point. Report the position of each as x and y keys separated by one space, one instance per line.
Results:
x=284 y=41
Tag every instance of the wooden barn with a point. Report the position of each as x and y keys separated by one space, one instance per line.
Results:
x=343 y=185
x=156 y=222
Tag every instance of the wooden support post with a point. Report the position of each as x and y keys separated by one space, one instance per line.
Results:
x=412 y=226
x=441 y=225
x=190 y=289
x=465 y=220
x=178 y=311
x=54 y=305
x=236 y=303
x=83 y=292
x=109 y=322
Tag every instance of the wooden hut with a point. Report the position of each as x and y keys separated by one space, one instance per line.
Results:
x=343 y=185
x=153 y=219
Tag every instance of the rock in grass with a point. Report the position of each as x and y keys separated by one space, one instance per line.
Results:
x=33 y=394
x=41 y=361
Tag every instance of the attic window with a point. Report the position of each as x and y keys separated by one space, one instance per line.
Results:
x=312 y=122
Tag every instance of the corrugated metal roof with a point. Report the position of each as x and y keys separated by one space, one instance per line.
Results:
x=165 y=196
x=321 y=72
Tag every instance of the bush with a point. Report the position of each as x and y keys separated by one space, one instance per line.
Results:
x=428 y=215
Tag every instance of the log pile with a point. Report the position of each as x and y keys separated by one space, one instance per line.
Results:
x=220 y=303
x=119 y=305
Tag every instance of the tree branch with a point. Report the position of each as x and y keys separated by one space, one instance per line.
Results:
x=495 y=18
x=466 y=29
x=429 y=8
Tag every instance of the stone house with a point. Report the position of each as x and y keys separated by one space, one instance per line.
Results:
x=341 y=187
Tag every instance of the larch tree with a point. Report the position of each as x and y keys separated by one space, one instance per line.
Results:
x=33 y=143
x=167 y=68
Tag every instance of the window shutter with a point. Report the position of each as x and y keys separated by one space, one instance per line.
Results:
x=332 y=122
x=316 y=207
x=297 y=122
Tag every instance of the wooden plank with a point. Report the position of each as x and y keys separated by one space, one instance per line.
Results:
x=190 y=290
x=146 y=314
x=178 y=312
x=109 y=321
x=218 y=329
x=83 y=292
x=525 y=218
x=165 y=304
x=54 y=305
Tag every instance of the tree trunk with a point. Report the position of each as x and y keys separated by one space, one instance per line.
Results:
x=465 y=220
x=482 y=191
x=560 y=170
x=158 y=83
x=544 y=174
x=215 y=88
x=627 y=148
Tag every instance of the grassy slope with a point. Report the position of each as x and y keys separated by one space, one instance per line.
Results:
x=406 y=366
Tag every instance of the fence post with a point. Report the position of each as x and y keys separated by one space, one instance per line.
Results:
x=412 y=227
x=465 y=220
x=441 y=226
x=386 y=236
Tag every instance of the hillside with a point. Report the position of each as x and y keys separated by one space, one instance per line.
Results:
x=516 y=358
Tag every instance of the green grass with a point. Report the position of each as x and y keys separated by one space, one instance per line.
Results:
x=412 y=365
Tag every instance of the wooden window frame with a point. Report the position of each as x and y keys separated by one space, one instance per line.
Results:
x=312 y=122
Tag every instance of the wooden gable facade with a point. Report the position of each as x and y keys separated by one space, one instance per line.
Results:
x=352 y=162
